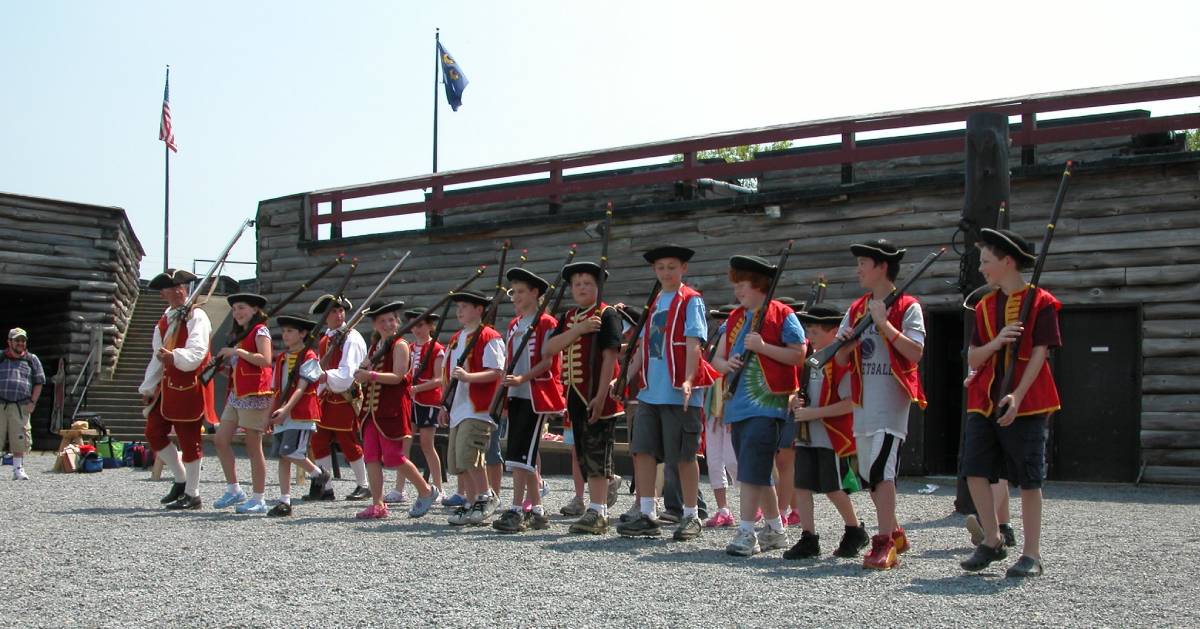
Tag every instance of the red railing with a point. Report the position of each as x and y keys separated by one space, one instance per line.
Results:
x=845 y=153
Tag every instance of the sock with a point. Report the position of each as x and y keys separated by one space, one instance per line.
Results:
x=724 y=510
x=191 y=478
x=315 y=473
x=776 y=524
x=648 y=506
x=256 y=496
x=689 y=512
x=598 y=508
x=233 y=488
x=170 y=458
x=746 y=526
x=516 y=508
x=483 y=497
x=18 y=462
x=360 y=471
x=539 y=510
x=285 y=499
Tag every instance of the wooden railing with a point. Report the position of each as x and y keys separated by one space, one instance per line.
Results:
x=325 y=206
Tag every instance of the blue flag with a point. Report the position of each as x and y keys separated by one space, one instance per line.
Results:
x=455 y=80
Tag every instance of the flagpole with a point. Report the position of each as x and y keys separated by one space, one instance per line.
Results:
x=437 y=62
x=166 y=195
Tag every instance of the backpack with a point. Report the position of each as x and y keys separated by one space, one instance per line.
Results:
x=137 y=455
x=112 y=453
x=91 y=463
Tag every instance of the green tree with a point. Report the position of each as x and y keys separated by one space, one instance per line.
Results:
x=742 y=153
x=1193 y=140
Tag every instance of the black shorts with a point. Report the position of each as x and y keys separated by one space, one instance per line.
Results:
x=593 y=442
x=424 y=416
x=1016 y=452
x=524 y=435
x=821 y=471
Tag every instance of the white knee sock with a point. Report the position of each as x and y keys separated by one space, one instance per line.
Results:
x=360 y=471
x=171 y=459
x=325 y=462
x=192 y=477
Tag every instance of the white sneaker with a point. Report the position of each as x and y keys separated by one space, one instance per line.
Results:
x=394 y=497
x=493 y=503
x=19 y=474
x=769 y=539
x=744 y=544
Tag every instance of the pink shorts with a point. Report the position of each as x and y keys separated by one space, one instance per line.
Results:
x=377 y=448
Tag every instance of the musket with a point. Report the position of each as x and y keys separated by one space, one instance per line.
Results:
x=1034 y=279
x=815 y=296
x=557 y=288
x=598 y=355
x=210 y=372
x=818 y=359
x=618 y=388
x=336 y=339
x=490 y=314
x=181 y=314
x=444 y=304
x=732 y=380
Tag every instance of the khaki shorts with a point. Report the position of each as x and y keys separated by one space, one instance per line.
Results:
x=248 y=418
x=15 y=433
x=468 y=445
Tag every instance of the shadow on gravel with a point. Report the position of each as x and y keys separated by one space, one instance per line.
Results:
x=952 y=520
x=962 y=583
x=140 y=511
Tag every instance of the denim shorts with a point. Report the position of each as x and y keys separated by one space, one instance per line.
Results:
x=755 y=439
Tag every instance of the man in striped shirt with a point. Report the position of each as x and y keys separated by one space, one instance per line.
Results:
x=21 y=380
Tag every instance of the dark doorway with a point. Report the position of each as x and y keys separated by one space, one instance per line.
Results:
x=44 y=315
x=943 y=373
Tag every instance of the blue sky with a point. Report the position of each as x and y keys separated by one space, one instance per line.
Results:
x=275 y=98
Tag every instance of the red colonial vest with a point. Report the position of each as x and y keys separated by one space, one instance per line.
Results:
x=673 y=336
x=251 y=379
x=388 y=405
x=840 y=427
x=337 y=409
x=577 y=366
x=482 y=392
x=1042 y=396
x=905 y=370
x=183 y=398
x=425 y=357
x=781 y=379
x=546 y=390
x=308 y=408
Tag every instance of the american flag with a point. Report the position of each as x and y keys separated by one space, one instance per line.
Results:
x=164 y=126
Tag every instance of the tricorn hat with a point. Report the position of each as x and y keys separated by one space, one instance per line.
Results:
x=1009 y=242
x=822 y=313
x=518 y=274
x=171 y=277
x=298 y=323
x=325 y=302
x=753 y=264
x=258 y=301
x=413 y=313
x=880 y=250
x=590 y=268
x=471 y=297
x=384 y=307
x=668 y=251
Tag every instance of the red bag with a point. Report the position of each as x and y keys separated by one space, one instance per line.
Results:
x=86 y=449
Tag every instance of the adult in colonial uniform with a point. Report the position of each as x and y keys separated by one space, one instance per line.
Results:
x=341 y=398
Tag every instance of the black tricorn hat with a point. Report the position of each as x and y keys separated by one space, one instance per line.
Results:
x=413 y=313
x=880 y=250
x=631 y=314
x=1009 y=242
x=668 y=251
x=517 y=274
x=590 y=268
x=752 y=264
x=171 y=277
x=722 y=312
x=787 y=301
x=253 y=299
x=383 y=307
x=471 y=297
x=299 y=323
x=325 y=302
x=822 y=313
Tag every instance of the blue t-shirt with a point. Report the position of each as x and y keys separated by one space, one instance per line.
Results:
x=658 y=380
x=753 y=398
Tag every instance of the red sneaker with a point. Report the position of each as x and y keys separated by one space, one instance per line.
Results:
x=900 y=540
x=793 y=518
x=373 y=512
x=882 y=555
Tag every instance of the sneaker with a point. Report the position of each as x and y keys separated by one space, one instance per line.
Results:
x=359 y=493
x=460 y=516
x=186 y=503
x=670 y=517
x=688 y=529
x=632 y=514
x=983 y=557
x=591 y=522
x=719 y=521
x=373 y=512
x=251 y=506
x=882 y=555
x=536 y=521
x=229 y=499
x=327 y=495
x=975 y=529
x=853 y=541
x=1026 y=566
x=493 y=503
x=808 y=547
x=544 y=490
x=478 y=512
x=643 y=526
x=614 y=487
x=394 y=497
x=423 y=505
x=19 y=474
x=315 y=489
x=322 y=480
x=575 y=508
x=510 y=522
x=1010 y=538
x=282 y=509
x=744 y=544
x=454 y=500
x=792 y=519
x=172 y=496
x=900 y=541
x=770 y=539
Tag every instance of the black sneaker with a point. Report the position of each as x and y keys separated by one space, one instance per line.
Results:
x=688 y=529
x=315 y=489
x=591 y=523
x=186 y=503
x=174 y=494
x=983 y=557
x=327 y=495
x=536 y=521
x=280 y=510
x=808 y=547
x=1010 y=538
x=359 y=493
x=853 y=541
x=1026 y=566
x=641 y=527
x=510 y=522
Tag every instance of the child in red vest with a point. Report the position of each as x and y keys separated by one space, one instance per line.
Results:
x=295 y=417
x=341 y=398
x=429 y=357
x=824 y=463
x=884 y=383
x=1009 y=426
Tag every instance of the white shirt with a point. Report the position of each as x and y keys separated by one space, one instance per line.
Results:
x=885 y=402
x=493 y=358
x=187 y=358
x=354 y=352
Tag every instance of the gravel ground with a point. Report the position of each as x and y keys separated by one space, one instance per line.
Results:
x=95 y=550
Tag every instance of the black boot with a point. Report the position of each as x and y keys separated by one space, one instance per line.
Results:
x=808 y=547
x=174 y=494
x=359 y=493
x=853 y=541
